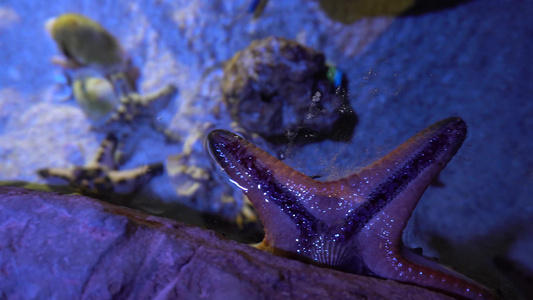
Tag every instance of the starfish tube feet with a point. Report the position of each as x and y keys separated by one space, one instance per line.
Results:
x=354 y=224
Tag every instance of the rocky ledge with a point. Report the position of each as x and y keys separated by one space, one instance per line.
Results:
x=74 y=247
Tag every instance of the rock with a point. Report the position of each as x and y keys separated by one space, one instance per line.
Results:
x=280 y=90
x=74 y=247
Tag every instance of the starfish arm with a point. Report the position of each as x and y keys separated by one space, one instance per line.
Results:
x=122 y=84
x=392 y=187
x=270 y=185
x=59 y=174
x=105 y=155
x=83 y=178
x=128 y=181
x=160 y=99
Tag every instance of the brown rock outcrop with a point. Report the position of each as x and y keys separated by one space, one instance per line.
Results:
x=74 y=247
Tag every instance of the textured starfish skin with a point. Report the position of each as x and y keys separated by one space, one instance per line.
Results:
x=354 y=224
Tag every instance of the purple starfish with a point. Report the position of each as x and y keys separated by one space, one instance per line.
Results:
x=354 y=224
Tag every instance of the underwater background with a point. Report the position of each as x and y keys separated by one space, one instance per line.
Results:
x=406 y=67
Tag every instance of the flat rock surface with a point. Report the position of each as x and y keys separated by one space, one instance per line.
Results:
x=56 y=246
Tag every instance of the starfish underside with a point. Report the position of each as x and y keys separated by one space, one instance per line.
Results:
x=354 y=224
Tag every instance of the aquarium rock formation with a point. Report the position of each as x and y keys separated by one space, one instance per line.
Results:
x=280 y=90
x=74 y=247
